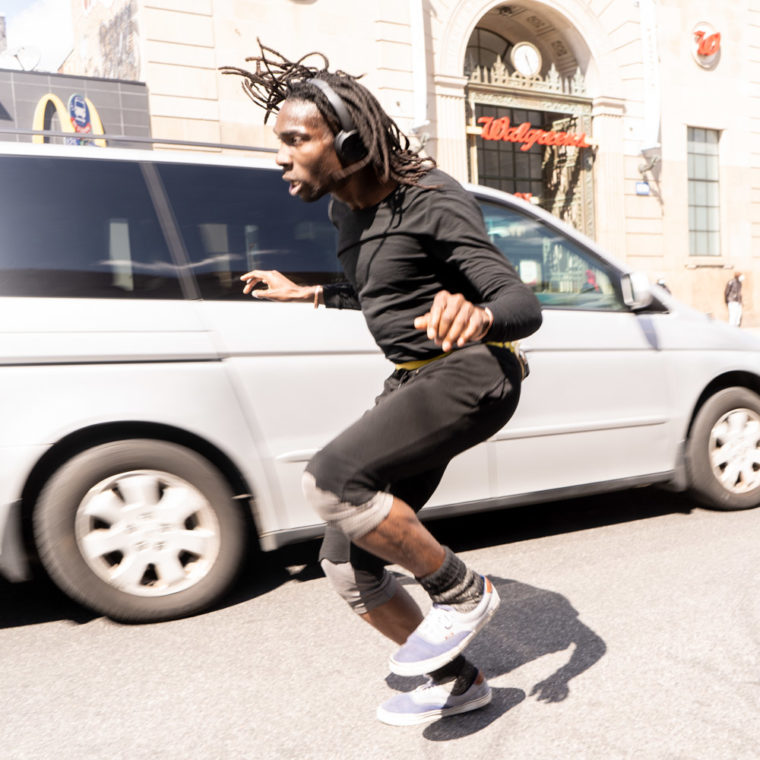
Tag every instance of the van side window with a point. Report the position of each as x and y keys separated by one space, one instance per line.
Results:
x=80 y=228
x=234 y=219
x=562 y=273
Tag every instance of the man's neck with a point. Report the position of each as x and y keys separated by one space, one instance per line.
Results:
x=363 y=190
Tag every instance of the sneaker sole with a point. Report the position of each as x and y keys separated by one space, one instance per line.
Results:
x=402 y=719
x=428 y=666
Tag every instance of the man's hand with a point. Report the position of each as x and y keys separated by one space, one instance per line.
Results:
x=279 y=287
x=453 y=320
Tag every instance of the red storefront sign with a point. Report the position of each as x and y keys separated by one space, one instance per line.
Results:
x=500 y=129
x=707 y=44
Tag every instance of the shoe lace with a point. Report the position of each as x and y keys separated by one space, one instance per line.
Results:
x=438 y=617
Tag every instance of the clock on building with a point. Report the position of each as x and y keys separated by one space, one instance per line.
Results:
x=526 y=59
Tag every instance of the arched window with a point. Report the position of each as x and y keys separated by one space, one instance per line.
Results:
x=484 y=48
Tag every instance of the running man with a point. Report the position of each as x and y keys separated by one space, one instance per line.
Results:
x=443 y=305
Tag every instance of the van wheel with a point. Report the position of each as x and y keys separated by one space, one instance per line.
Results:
x=140 y=530
x=724 y=450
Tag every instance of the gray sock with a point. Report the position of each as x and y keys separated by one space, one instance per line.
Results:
x=454 y=583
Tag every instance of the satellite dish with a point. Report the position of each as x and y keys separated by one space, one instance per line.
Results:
x=27 y=58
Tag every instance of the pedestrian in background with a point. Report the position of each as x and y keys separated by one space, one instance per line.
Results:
x=444 y=305
x=733 y=298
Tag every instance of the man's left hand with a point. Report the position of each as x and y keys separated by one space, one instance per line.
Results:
x=454 y=321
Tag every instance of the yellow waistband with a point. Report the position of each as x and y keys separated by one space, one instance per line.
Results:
x=417 y=363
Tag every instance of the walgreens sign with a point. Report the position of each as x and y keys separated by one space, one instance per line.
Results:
x=501 y=129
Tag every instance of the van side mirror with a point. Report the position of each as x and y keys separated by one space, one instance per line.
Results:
x=637 y=291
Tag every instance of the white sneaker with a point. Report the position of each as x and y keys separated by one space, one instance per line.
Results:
x=431 y=701
x=442 y=635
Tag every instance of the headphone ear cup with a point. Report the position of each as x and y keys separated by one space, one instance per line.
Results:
x=349 y=147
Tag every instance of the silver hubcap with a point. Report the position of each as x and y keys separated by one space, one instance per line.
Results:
x=735 y=450
x=147 y=533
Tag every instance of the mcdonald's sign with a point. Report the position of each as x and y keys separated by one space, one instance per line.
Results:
x=81 y=117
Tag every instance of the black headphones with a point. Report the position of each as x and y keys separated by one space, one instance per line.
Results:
x=348 y=144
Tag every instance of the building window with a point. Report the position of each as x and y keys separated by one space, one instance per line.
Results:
x=704 y=195
x=483 y=49
x=507 y=166
x=504 y=165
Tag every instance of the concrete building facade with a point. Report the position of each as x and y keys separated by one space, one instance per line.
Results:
x=637 y=121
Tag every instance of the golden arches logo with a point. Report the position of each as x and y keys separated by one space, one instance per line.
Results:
x=41 y=122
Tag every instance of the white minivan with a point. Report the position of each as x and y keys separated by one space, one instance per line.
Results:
x=156 y=422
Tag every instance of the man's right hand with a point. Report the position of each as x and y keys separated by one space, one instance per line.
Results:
x=278 y=287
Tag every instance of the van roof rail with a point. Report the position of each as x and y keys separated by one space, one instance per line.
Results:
x=133 y=139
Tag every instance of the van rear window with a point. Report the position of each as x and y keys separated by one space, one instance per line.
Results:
x=80 y=228
x=234 y=219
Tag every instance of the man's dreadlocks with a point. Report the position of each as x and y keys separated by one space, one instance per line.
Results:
x=277 y=79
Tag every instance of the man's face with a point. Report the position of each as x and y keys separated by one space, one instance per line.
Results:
x=307 y=156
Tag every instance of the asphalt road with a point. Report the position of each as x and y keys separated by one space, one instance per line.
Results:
x=629 y=628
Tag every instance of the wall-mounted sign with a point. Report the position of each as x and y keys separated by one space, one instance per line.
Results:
x=80 y=117
x=500 y=129
x=706 y=45
x=642 y=188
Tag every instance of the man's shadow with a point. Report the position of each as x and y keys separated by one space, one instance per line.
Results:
x=529 y=623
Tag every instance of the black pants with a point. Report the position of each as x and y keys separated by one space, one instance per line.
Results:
x=420 y=422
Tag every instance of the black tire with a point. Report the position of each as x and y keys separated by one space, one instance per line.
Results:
x=122 y=506
x=723 y=451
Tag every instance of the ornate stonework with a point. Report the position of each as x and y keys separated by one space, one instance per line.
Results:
x=500 y=76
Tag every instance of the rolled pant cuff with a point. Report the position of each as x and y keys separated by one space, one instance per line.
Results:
x=363 y=591
x=355 y=520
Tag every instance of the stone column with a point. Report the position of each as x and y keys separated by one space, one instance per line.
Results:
x=609 y=173
x=450 y=148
